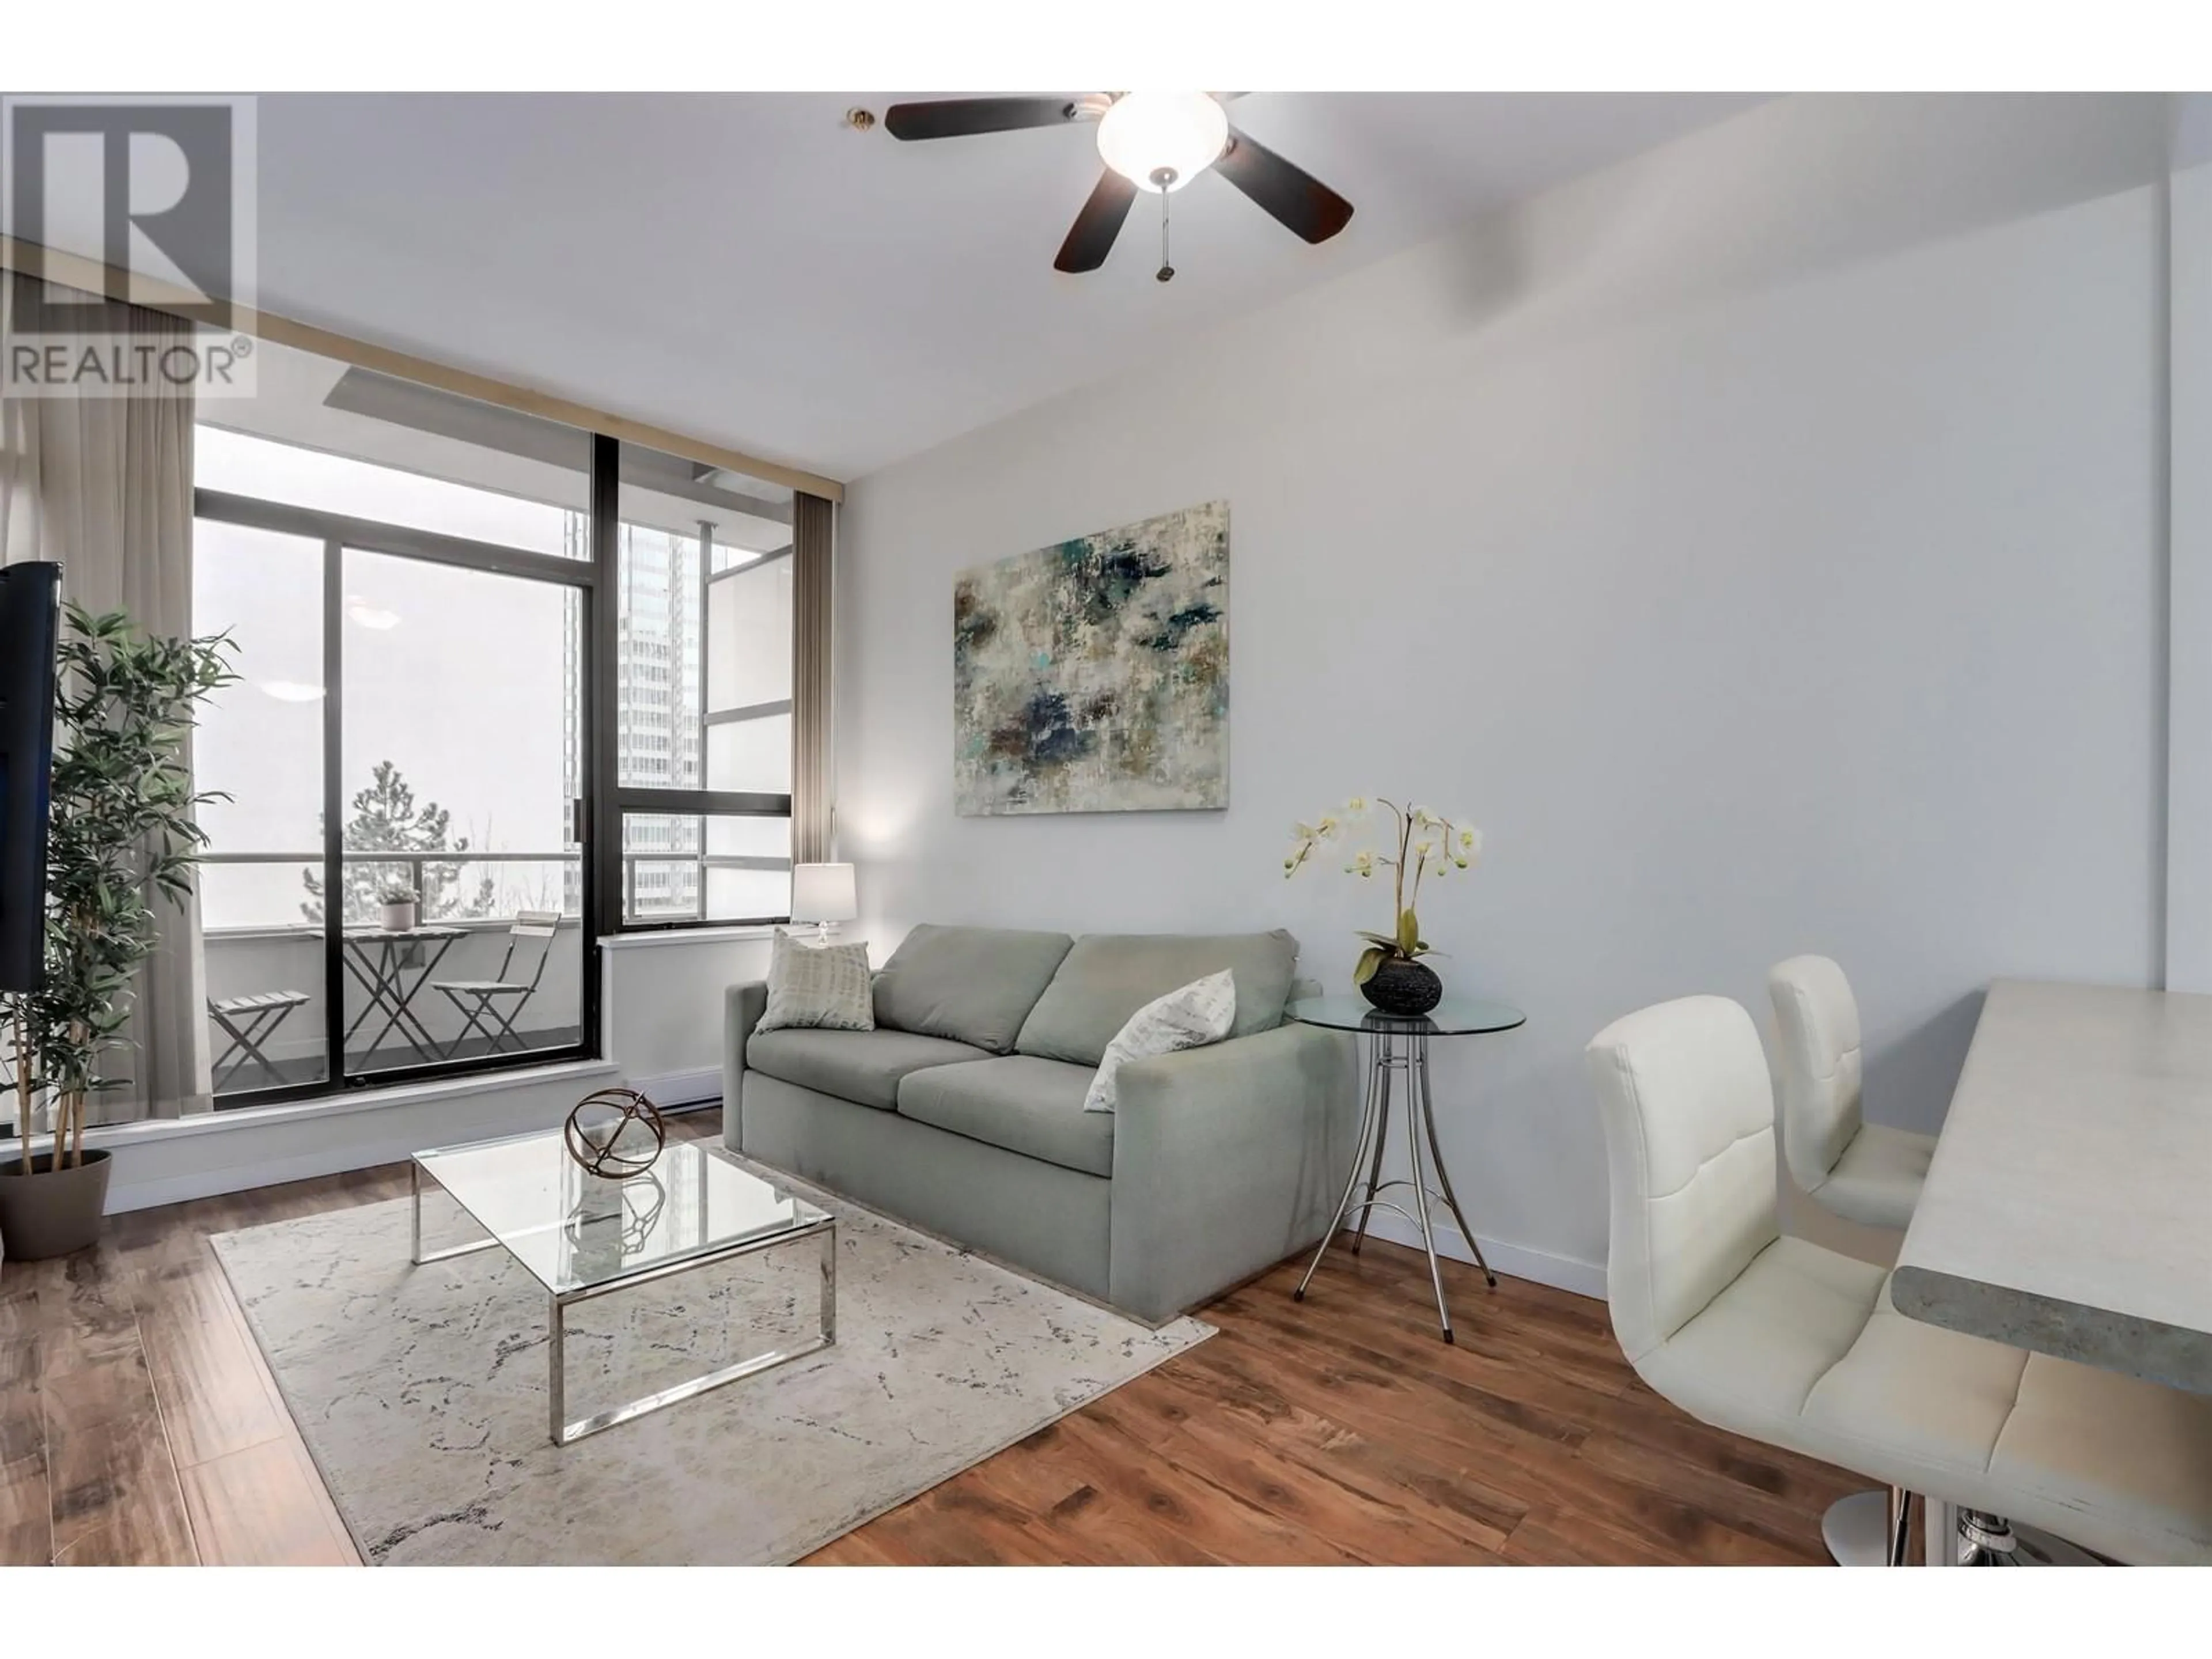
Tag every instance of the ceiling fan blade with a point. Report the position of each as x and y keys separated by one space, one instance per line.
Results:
x=1288 y=191
x=962 y=117
x=1091 y=239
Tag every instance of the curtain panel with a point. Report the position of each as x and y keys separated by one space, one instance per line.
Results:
x=103 y=487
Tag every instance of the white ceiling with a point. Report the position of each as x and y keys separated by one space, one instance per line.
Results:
x=745 y=268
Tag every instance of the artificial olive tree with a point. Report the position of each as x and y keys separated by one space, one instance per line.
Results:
x=121 y=833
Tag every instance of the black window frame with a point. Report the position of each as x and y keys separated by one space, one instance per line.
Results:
x=612 y=801
x=605 y=802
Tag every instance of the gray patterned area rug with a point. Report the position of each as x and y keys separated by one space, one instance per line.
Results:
x=422 y=1391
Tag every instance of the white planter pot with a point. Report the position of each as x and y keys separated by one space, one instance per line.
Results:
x=399 y=918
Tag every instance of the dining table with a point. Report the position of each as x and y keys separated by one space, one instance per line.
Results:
x=2068 y=1209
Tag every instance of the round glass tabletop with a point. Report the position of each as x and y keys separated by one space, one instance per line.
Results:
x=1453 y=1017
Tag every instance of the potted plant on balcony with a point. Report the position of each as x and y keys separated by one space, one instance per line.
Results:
x=121 y=831
x=399 y=902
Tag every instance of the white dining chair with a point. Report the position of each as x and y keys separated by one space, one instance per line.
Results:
x=1864 y=1172
x=1797 y=1346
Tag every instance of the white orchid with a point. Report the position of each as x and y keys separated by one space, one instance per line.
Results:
x=1419 y=844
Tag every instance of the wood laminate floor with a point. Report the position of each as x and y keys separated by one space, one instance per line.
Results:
x=138 y=1424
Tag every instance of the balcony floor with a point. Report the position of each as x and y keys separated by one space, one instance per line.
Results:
x=368 y=1062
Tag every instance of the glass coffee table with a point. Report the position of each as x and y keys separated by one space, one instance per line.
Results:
x=583 y=1237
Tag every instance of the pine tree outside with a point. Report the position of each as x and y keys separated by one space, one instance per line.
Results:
x=387 y=819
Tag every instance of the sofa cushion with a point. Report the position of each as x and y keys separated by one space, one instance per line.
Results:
x=861 y=1066
x=969 y=984
x=1033 y=1107
x=1107 y=977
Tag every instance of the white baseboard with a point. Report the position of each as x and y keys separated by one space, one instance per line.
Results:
x=1513 y=1260
x=681 y=1088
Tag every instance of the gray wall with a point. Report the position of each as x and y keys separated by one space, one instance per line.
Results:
x=1760 y=539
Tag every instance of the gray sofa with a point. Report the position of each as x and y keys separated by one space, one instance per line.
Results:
x=963 y=1111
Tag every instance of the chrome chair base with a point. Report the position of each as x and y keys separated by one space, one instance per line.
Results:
x=1867 y=1529
x=1990 y=1540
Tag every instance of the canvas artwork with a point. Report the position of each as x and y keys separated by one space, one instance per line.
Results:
x=1093 y=675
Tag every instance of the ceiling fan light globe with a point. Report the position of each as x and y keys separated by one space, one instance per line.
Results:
x=1146 y=136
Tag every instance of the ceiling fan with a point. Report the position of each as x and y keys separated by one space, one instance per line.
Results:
x=1149 y=140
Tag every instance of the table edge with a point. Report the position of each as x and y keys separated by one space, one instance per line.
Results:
x=1419 y=1024
x=2131 y=1345
x=821 y=1219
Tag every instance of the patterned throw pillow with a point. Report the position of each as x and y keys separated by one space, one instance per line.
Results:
x=1200 y=1013
x=824 y=985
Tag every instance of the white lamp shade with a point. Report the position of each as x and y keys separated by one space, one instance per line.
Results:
x=823 y=892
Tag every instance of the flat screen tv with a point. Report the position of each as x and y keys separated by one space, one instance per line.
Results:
x=30 y=599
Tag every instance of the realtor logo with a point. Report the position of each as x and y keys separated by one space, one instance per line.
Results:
x=161 y=189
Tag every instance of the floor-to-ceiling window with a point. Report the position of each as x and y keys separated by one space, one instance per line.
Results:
x=396 y=880
x=469 y=639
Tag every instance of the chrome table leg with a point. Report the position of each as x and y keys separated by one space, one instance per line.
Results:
x=1351 y=1185
x=567 y=1433
x=415 y=1226
x=1443 y=1176
x=1421 y=1207
x=1384 y=1055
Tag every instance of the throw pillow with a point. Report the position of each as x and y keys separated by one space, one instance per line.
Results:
x=1200 y=1013
x=823 y=985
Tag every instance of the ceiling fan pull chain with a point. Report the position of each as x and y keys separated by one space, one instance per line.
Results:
x=1166 y=271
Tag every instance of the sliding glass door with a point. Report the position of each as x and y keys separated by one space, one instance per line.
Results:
x=397 y=879
x=461 y=875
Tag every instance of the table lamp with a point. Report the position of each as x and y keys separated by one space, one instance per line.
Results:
x=822 y=893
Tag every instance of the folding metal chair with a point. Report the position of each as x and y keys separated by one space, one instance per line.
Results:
x=480 y=1001
x=249 y=1022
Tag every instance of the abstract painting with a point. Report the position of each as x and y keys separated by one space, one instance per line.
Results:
x=1093 y=675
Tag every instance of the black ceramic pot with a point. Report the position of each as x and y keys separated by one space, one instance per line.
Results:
x=1402 y=988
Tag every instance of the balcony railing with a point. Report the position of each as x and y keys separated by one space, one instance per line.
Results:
x=413 y=866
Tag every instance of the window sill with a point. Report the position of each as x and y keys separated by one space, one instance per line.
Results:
x=114 y=1136
x=707 y=934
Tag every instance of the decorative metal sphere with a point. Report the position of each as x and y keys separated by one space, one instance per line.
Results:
x=606 y=1146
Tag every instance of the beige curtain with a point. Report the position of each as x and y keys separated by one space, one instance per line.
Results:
x=103 y=487
x=812 y=785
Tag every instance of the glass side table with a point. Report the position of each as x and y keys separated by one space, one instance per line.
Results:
x=1400 y=1045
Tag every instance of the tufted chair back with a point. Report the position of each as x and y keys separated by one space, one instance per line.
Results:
x=1816 y=1022
x=1689 y=1138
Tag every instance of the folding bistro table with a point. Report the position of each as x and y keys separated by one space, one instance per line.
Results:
x=380 y=962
